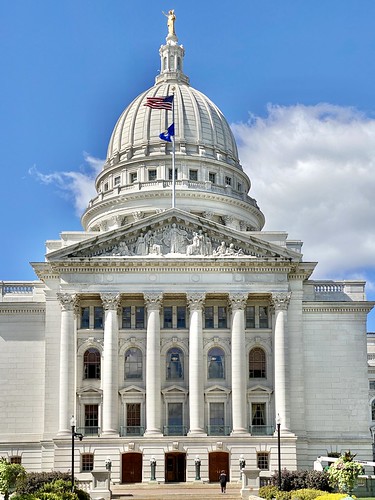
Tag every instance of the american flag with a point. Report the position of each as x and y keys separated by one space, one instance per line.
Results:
x=162 y=102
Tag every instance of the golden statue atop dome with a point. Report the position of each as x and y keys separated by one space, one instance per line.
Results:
x=171 y=18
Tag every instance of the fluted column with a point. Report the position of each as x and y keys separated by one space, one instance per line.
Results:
x=110 y=365
x=196 y=364
x=239 y=372
x=66 y=384
x=280 y=302
x=153 y=384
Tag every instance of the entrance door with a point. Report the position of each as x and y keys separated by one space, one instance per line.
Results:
x=175 y=467
x=131 y=468
x=217 y=461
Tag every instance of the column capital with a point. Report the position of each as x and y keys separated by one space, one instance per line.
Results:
x=280 y=301
x=153 y=301
x=110 y=300
x=195 y=300
x=238 y=300
x=68 y=301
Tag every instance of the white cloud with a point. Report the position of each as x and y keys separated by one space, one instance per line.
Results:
x=78 y=186
x=312 y=170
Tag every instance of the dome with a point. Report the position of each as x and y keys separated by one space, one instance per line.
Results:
x=197 y=171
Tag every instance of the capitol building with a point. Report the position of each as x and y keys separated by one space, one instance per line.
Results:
x=173 y=328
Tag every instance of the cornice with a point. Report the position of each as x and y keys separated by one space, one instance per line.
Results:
x=18 y=308
x=340 y=307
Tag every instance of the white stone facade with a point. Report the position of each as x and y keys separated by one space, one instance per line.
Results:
x=182 y=332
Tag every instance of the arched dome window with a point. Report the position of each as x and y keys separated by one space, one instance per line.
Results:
x=215 y=360
x=257 y=363
x=91 y=363
x=133 y=363
x=174 y=364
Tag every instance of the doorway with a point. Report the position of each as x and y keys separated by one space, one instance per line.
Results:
x=217 y=461
x=131 y=468
x=175 y=467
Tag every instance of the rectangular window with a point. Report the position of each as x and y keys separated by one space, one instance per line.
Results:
x=133 y=177
x=152 y=175
x=117 y=181
x=193 y=175
x=250 y=317
x=217 y=419
x=168 y=316
x=133 y=418
x=170 y=174
x=239 y=187
x=16 y=459
x=212 y=177
x=126 y=317
x=91 y=419
x=87 y=462
x=139 y=317
x=106 y=186
x=98 y=317
x=263 y=317
x=228 y=181
x=181 y=317
x=372 y=385
x=222 y=317
x=85 y=317
x=258 y=417
x=209 y=317
x=175 y=419
x=263 y=460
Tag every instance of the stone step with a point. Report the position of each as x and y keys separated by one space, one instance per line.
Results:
x=177 y=491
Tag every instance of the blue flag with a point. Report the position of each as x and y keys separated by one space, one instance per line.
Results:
x=166 y=136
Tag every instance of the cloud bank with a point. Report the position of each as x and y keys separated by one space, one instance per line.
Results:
x=77 y=186
x=312 y=170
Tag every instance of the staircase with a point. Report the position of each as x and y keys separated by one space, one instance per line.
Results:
x=175 y=491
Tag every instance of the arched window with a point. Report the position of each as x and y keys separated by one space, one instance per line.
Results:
x=133 y=363
x=257 y=363
x=175 y=364
x=91 y=363
x=373 y=410
x=215 y=361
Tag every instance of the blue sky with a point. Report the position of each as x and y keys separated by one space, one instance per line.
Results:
x=294 y=78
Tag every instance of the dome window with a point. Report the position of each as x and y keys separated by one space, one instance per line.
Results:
x=228 y=181
x=212 y=177
x=152 y=175
x=193 y=175
x=117 y=181
x=133 y=177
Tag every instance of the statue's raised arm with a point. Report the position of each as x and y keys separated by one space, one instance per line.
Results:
x=171 y=18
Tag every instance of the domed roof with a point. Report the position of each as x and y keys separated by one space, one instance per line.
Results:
x=199 y=124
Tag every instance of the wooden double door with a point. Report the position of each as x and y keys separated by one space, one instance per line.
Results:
x=217 y=461
x=131 y=468
x=175 y=467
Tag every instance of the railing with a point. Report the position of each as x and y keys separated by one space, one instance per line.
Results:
x=218 y=430
x=261 y=430
x=174 y=430
x=89 y=430
x=17 y=288
x=132 y=430
x=328 y=288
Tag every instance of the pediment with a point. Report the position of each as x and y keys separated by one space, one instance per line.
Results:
x=217 y=390
x=89 y=391
x=260 y=389
x=132 y=390
x=173 y=233
x=175 y=390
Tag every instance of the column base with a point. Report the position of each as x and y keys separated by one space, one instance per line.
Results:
x=64 y=433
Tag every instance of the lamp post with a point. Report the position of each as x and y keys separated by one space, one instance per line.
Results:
x=278 y=422
x=74 y=435
x=153 y=468
x=242 y=463
x=108 y=464
x=197 y=468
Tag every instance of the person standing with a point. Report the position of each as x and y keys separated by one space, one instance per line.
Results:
x=223 y=481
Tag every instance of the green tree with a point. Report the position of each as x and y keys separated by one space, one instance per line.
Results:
x=10 y=474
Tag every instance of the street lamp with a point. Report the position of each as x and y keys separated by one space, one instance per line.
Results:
x=278 y=422
x=242 y=463
x=74 y=435
x=197 y=468
x=108 y=464
x=153 y=468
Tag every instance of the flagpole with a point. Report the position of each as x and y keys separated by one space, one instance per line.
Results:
x=173 y=160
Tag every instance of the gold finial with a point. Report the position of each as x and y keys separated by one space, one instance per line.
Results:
x=171 y=18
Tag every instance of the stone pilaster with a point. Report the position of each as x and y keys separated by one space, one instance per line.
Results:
x=239 y=373
x=196 y=364
x=67 y=362
x=280 y=302
x=110 y=426
x=153 y=303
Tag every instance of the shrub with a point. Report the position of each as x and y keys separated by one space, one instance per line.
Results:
x=35 y=480
x=332 y=496
x=268 y=492
x=306 y=494
x=301 y=479
x=283 y=495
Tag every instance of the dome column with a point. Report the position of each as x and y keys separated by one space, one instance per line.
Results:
x=238 y=303
x=111 y=303
x=153 y=383
x=196 y=370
